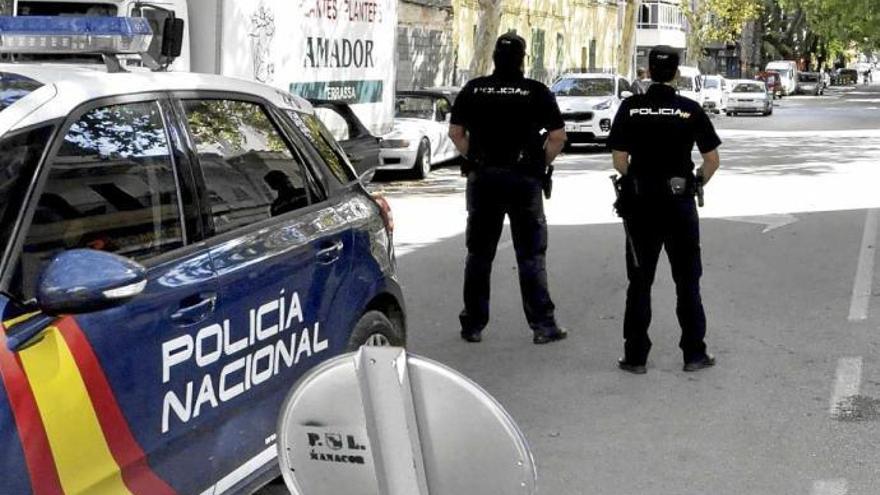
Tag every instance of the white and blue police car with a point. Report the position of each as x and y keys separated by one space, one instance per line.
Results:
x=175 y=251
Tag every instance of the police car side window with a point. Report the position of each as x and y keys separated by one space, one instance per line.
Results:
x=334 y=123
x=111 y=187
x=250 y=173
x=319 y=137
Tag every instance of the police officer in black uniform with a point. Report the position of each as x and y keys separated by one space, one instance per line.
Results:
x=651 y=140
x=509 y=130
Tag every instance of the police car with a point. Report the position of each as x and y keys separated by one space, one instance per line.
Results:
x=177 y=249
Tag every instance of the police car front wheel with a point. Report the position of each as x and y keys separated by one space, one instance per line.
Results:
x=374 y=328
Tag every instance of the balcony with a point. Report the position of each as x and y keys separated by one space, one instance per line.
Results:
x=661 y=22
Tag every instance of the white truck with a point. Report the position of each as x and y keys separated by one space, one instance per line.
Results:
x=788 y=74
x=341 y=50
x=690 y=83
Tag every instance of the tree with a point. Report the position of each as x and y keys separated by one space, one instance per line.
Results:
x=842 y=24
x=785 y=31
x=484 y=41
x=716 y=21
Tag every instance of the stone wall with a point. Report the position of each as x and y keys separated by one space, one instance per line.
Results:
x=562 y=35
x=425 y=47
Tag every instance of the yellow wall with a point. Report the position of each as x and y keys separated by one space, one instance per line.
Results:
x=578 y=21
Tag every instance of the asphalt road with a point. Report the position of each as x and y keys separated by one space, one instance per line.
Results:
x=791 y=294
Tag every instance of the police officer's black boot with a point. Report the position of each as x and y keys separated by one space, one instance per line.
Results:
x=636 y=369
x=546 y=338
x=703 y=362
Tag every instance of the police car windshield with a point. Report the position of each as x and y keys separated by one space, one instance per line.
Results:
x=803 y=77
x=414 y=107
x=14 y=87
x=584 y=87
x=749 y=88
x=711 y=83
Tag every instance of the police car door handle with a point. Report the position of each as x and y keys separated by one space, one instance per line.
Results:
x=330 y=252
x=195 y=309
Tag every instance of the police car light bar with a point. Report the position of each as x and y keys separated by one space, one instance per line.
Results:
x=87 y=34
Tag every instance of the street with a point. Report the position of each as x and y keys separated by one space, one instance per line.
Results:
x=790 y=289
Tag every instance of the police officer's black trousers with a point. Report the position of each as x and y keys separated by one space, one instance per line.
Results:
x=493 y=193
x=673 y=223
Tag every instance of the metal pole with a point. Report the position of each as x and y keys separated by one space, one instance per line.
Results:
x=391 y=420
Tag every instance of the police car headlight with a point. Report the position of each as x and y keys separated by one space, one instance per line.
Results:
x=395 y=143
x=605 y=105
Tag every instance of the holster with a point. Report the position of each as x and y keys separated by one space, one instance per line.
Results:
x=547 y=182
x=468 y=165
x=626 y=194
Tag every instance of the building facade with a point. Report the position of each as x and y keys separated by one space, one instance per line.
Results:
x=660 y=22
x=562 y=35
x=426 y=55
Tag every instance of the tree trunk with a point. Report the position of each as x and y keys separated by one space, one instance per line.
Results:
x=487 y=32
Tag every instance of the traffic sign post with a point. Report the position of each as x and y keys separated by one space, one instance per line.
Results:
x=384 y=422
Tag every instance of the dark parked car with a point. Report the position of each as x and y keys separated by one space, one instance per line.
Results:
x=356 y=140
x=845 y=77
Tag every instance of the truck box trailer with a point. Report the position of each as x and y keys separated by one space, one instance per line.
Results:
x=342 y=50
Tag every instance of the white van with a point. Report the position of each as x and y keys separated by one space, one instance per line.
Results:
x=715 y=93
x=788 y=74
x=690 y=83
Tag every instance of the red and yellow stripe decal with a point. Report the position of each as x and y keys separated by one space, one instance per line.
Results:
x=75 y=437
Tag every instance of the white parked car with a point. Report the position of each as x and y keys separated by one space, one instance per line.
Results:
x=420 y=136
x=689 y=83
x=588 y=103
x=749 y=96
x=715 y=90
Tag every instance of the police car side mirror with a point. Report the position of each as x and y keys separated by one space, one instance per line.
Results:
x=78 y=281
x=626 y=94
x=85 y=280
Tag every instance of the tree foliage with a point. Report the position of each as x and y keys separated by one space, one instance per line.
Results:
x=846 y=23
x=717 y=21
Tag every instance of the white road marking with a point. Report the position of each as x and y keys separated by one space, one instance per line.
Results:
x=813 y=179
x=861 y=295
x=829 y=487
x=836 y=133
x=847 y=383
x=771 y=222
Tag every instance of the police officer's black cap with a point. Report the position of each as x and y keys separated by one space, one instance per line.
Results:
x=510 y=44
x=663 y=63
